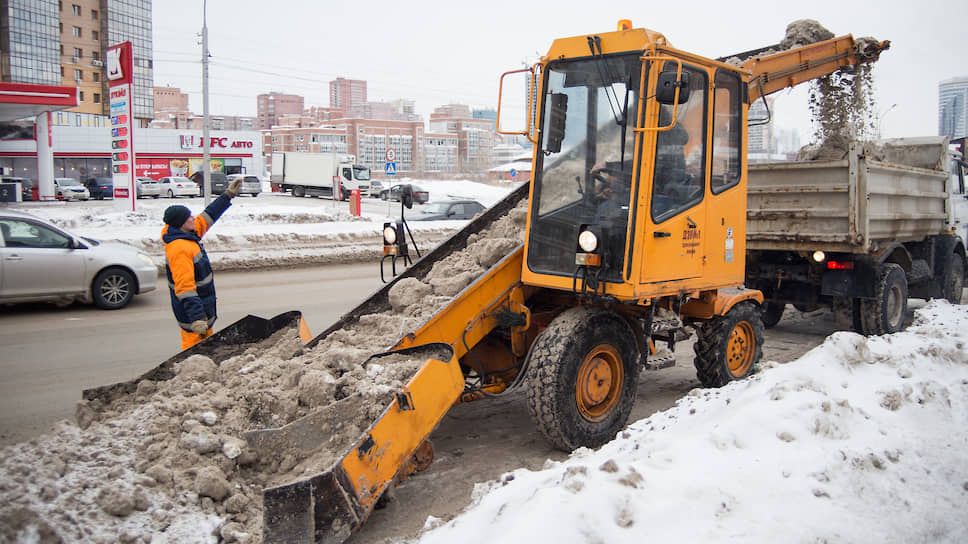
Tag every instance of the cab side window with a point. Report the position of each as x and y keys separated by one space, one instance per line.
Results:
x=347 y=173
x=727 y=131
x=680 y=152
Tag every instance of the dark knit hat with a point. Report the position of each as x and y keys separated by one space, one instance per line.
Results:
x=176 y=216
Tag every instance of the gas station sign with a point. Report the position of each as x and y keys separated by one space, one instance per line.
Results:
x=119 y=69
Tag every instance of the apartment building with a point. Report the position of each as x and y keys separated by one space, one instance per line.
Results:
x=63 y=42
x=273 y=106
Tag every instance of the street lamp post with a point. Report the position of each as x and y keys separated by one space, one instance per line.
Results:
x=206 y=154
x=881 y=118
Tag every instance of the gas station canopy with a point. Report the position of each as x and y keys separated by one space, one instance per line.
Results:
x=22 y=100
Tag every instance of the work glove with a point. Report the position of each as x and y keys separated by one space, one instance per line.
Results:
x=200 y=326
x=233 y=189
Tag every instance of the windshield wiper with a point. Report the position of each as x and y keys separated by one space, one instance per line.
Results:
x=607 y=80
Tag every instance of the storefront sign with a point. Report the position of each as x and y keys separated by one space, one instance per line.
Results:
x=189 y=141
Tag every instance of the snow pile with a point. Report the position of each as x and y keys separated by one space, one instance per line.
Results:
x=274 y=229
x=860 y=440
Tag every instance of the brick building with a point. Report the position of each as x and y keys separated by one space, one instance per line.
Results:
x=272 y=106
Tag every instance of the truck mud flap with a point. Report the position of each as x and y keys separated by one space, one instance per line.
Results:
x=224 y=344
x=380 y=300
x=329 y=506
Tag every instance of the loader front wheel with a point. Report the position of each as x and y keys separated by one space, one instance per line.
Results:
x=729 y=346
x=583 y=374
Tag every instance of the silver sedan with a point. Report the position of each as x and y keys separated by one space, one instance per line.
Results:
x=41 y=262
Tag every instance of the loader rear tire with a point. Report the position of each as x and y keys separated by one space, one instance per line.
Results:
x=885 y=313
x=583 y=375
x=729 y=346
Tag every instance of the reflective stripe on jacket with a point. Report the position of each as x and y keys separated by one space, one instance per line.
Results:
x=190 y=278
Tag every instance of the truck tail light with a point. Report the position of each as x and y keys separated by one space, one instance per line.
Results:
x=840 y=265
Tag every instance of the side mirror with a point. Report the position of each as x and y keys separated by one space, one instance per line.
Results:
x=406 y=195
x=557 y=115
x=665 y=91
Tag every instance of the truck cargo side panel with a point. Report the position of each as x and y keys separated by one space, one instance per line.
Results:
x=855 y=205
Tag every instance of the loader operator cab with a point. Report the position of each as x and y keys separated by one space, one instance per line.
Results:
x=608 y=122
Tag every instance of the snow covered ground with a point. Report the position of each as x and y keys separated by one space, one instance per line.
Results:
x=273 y=229
x=860 y=440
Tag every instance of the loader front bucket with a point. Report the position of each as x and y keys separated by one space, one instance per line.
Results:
x=226 y=343
x=329 y=506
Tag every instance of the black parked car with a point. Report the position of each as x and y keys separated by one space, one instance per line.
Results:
x=420 y=196
x=449 y=209
x=220 y=182
x=100 y=188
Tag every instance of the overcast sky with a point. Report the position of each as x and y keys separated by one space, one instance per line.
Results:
x=437 y=52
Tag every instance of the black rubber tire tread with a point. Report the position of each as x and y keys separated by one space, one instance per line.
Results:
x=956 y=280
x=298 y=191
x=113 y=279
x=552 y=374
x=712 y=339
x=771 y=313
x=872 y=310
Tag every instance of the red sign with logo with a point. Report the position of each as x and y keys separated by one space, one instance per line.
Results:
x=119 y=64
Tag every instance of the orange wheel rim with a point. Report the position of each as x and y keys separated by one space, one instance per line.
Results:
x=739 y=351
x=599 y=384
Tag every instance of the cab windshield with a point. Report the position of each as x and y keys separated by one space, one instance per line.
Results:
x=584 y=174
x=361 y=173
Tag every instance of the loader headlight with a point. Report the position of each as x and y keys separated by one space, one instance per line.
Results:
x=819 y=256
x=389 y=234
x=587 y=241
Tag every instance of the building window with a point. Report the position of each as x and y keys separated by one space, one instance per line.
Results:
x=61 y=26
x=75 y=9
x=78 y=75
x=81 y=98
x=97 y=98
x=78 y=53
x=94 y=14
x=76 y=31
x=94 y=35
x=95 y=55
x=96 y=76
x=62 y=71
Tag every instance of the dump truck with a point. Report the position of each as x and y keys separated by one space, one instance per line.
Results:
x=631 y=235
x=858 y=235
x=315 y=174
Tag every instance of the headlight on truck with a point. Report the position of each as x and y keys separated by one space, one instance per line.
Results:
x=587 y=241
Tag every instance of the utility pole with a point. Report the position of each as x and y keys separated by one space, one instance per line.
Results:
x=206 y=162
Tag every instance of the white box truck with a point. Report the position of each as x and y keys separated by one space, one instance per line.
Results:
x=312 y=174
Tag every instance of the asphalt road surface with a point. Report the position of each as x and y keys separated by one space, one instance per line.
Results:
x=48 y=355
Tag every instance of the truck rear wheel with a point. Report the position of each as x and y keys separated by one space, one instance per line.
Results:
x=583 y=374
x=956 y=280
x=771 y=313
x=729 y=346
x=299 y=191
x=885 y=313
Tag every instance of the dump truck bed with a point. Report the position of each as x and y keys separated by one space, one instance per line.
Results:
x=856 y=204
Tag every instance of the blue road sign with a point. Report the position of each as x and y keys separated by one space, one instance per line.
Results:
x=513 y=172
x=391 y=168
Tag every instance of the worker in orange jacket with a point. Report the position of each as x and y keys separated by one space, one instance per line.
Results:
x=191 y=281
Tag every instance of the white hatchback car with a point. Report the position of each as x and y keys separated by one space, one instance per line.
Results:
x=41 y=262
x=70 y=189
x=177 y=186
